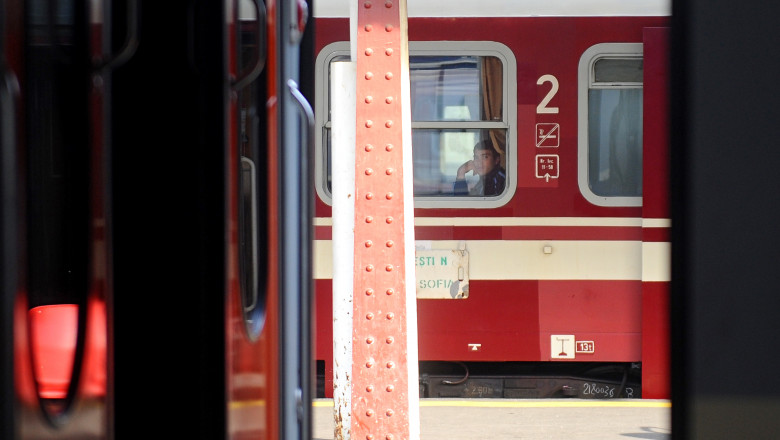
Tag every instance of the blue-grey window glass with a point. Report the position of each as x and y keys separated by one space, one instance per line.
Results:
x=615 y=128
x=447 y=89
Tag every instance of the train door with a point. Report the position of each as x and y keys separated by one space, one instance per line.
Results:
x=296 y=158
x=268 y=315
x=207 y=309
x=129 y=227
x=252 y=285
x=56 y=231
x=168 y=186
x=253 y=294
x=656 y=252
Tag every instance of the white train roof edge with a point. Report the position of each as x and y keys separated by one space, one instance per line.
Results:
x=512 y=8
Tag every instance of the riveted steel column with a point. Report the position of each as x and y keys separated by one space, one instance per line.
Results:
x=383 y=372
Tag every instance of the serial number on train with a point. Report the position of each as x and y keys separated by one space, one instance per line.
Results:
x=598 y=390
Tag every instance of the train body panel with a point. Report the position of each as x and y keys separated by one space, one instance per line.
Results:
x=142 y=281
x=557 y=273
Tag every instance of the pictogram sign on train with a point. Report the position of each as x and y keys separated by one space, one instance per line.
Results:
x=548 y=135
x=547 y=166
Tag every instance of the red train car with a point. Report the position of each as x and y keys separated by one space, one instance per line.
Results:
x=148 y=285
x=543 y=271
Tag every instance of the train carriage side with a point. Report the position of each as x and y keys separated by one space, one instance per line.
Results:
x=566 y=269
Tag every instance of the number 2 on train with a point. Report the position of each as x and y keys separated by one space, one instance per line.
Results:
x=542 y=107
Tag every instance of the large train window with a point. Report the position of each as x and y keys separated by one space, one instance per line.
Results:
x=610 y=124
x=463 y=96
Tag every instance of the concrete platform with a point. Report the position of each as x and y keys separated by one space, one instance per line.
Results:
x=499 y=419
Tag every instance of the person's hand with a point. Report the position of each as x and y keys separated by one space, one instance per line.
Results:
x=465 y=168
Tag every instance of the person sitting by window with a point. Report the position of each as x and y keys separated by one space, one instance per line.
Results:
x=487 y=165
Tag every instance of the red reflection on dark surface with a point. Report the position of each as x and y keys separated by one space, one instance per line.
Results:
x=93 y=382
x=25 y=384
x=53 y=339
x=53 y=333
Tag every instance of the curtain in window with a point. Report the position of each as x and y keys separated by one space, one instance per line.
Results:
x=492 y=101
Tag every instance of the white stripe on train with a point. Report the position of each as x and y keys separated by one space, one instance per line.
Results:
x=530 y=221
x=527 y=260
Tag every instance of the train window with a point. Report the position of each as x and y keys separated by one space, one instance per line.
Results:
x=59 y=204
x=462 y=100
x=251 y=133
x=610 y=121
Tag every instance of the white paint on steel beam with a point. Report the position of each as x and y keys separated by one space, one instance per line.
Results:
x=409 y=242
x=342 y=250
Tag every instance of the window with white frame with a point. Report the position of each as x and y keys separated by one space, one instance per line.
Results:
x=463 y=98
x=610 y=124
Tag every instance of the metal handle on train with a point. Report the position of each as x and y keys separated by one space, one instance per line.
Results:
x=302 y=398
x=305 y=108
x=131 y=41
x=308 y=113
x=246 y=77
x=246 y=163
